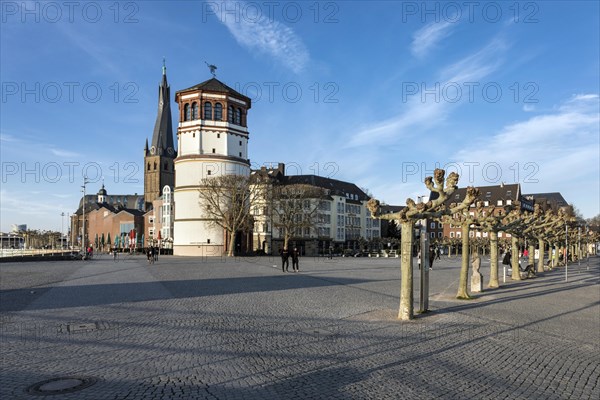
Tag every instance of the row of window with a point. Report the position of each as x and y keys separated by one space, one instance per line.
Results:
x=352 y=209
x=165 y=166
x=471 y=234
x=234 y=115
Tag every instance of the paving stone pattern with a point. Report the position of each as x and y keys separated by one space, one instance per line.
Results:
x=216 y=328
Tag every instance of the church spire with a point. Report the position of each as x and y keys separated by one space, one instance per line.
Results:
x=162 y=137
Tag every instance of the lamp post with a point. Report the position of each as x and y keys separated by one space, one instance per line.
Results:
x=83 y=246
x=62 y=227
x=70 y=231
x=566 y=252
x=579 y=247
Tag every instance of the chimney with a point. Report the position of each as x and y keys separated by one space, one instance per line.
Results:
x=281 y=168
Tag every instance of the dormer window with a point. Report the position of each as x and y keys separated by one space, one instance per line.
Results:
x=488 y=194
x=207 y=110
x=509 y=193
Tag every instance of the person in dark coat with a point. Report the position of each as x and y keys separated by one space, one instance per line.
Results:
x=507 y=258
x=295 y=260
x=431 y=257
x=150 y=254
x=285 y=263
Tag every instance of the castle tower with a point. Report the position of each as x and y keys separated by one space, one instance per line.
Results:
x=213 y=141
x=159 y=157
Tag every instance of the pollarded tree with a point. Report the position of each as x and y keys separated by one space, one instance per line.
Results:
x=435 y=209
x=295 y=209
x=493 y=221
x=225 y=202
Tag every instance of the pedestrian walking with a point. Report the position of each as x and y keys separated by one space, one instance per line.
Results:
x=115 y=254
x=295 y=260
x=431 y=257
x=437 y=253
x=155 y=253
x=419 y=259
x=150 y=255
x=285 y=263
x=507 y=257
x=330 y=252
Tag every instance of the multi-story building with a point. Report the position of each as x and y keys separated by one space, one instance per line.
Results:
x=212 y=137
x=158 y=222
x=109 y=216
x=497 y=196
x=341 y=218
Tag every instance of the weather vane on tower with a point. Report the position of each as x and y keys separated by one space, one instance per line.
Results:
x=212 y=68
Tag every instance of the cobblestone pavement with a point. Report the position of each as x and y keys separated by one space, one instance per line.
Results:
x=200 y=328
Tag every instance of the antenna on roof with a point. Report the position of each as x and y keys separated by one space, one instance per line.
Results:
x=212 y=68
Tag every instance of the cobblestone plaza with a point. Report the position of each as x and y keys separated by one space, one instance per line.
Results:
x=210 y=328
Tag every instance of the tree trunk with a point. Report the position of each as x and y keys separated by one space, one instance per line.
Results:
x=493 y=260
x=406 y=310
x=540 y=266
x=449 y=250
x=531 y=255
x=230 y=252
x=464 y=268
x=516 y=272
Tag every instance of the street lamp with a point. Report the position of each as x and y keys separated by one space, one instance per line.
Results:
x=566 y=252
x=62 y=226
x=85 y=182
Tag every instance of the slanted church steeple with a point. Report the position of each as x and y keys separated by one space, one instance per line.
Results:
x=158 y=159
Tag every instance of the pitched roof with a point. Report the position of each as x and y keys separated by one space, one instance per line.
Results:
x=554 y=199
x=113 y=203
x=162 y=136
x=335 y=187
x=215 y=85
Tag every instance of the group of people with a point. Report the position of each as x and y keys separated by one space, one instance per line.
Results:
x=507 y=260
x=152 y=254
x=285 y=262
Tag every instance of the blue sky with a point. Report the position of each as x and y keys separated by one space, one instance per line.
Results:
x=375 y=93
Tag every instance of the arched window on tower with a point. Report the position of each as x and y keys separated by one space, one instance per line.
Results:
x=230 y=114
x=148 y=166
x=155 y=165
x=207 y=110
x=218 y=112
x=186 y=112
x=194 y=110
x=166 y=166
x=238 y=116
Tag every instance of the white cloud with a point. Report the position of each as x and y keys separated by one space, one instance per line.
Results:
x=267 y=36
x=427 y=37
x=421 y=114
x=556 y=151
x=65 y=153
x=528 y=108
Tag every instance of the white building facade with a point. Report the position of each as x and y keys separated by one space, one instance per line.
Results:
x=212 y=141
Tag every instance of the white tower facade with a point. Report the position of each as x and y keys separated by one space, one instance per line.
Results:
x=212 y=141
